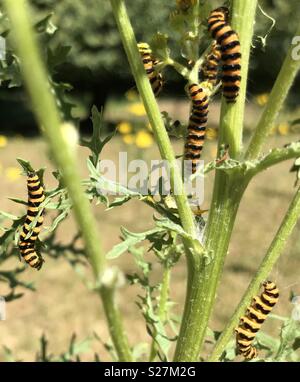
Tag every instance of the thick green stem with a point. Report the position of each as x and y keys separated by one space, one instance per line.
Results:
x=162 y=139
x=277 y=97
x=205 y=273
x=59 y=137
x=265 y=268
x=232 y=115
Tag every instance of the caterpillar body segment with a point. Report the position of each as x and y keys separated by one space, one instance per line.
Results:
x=149 y=62
x=197 y=125
x=255 y=316
x=229 y=42
x=29 y=236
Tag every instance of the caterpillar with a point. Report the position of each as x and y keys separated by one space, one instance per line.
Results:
x=197 y=125
x=150 y=62
x=209 y=70
x=27 y=245
x=228 y=39
x=256 y=314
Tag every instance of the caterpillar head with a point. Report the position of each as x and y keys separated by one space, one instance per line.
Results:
x=31 y=174
x=225 y=12
x=269 y=285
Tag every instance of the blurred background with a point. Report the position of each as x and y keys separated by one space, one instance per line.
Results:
x=89 y=67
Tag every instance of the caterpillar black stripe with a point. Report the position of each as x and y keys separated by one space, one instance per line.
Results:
x=197 y=125
x=256 y=314
x=150 y=62
x=209 y=70
x=27 y=244
x=228 y=39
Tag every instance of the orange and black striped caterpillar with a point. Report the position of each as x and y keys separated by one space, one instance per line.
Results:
x=256 y=314
x=150 y=62
x=228 y=39
x=27 y=244
x=197 y=125
x=209 y=69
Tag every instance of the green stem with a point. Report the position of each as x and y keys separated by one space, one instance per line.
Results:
x=276 y=156
x=115 y=324
x=232 y=115
x=205 y=273
x=44 y=106
x=181 y=69
x=277 y=97
x=160 y=133
x=265 y=268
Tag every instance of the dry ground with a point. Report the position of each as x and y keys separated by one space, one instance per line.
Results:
x=62 y=304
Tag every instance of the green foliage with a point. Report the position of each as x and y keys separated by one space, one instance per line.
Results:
x=168 y=239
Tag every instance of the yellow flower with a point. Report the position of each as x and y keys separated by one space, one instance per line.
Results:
x=211 y=133
x=13 y=173
x=283 y=128
x=131 y=95
x=3 y=141
x=262 y=99
x=128 y=139
x=143 y=139
x=124 y=127
x=137 y=109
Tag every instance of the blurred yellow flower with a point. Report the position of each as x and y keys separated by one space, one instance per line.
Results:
x=13 y=173
x=283 y=128
x=137 y=109
x=143 y=139
x=3 y=141
x=131 y=95
x=128 y=139
x=262 y=99
x=211 y=133
x=124 y=127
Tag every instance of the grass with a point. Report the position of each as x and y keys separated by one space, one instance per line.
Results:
x=60 y=305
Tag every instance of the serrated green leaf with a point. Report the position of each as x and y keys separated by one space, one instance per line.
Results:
x=130 y=240
x=96 y=144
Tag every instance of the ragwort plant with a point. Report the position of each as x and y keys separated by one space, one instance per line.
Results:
x=175 y=230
